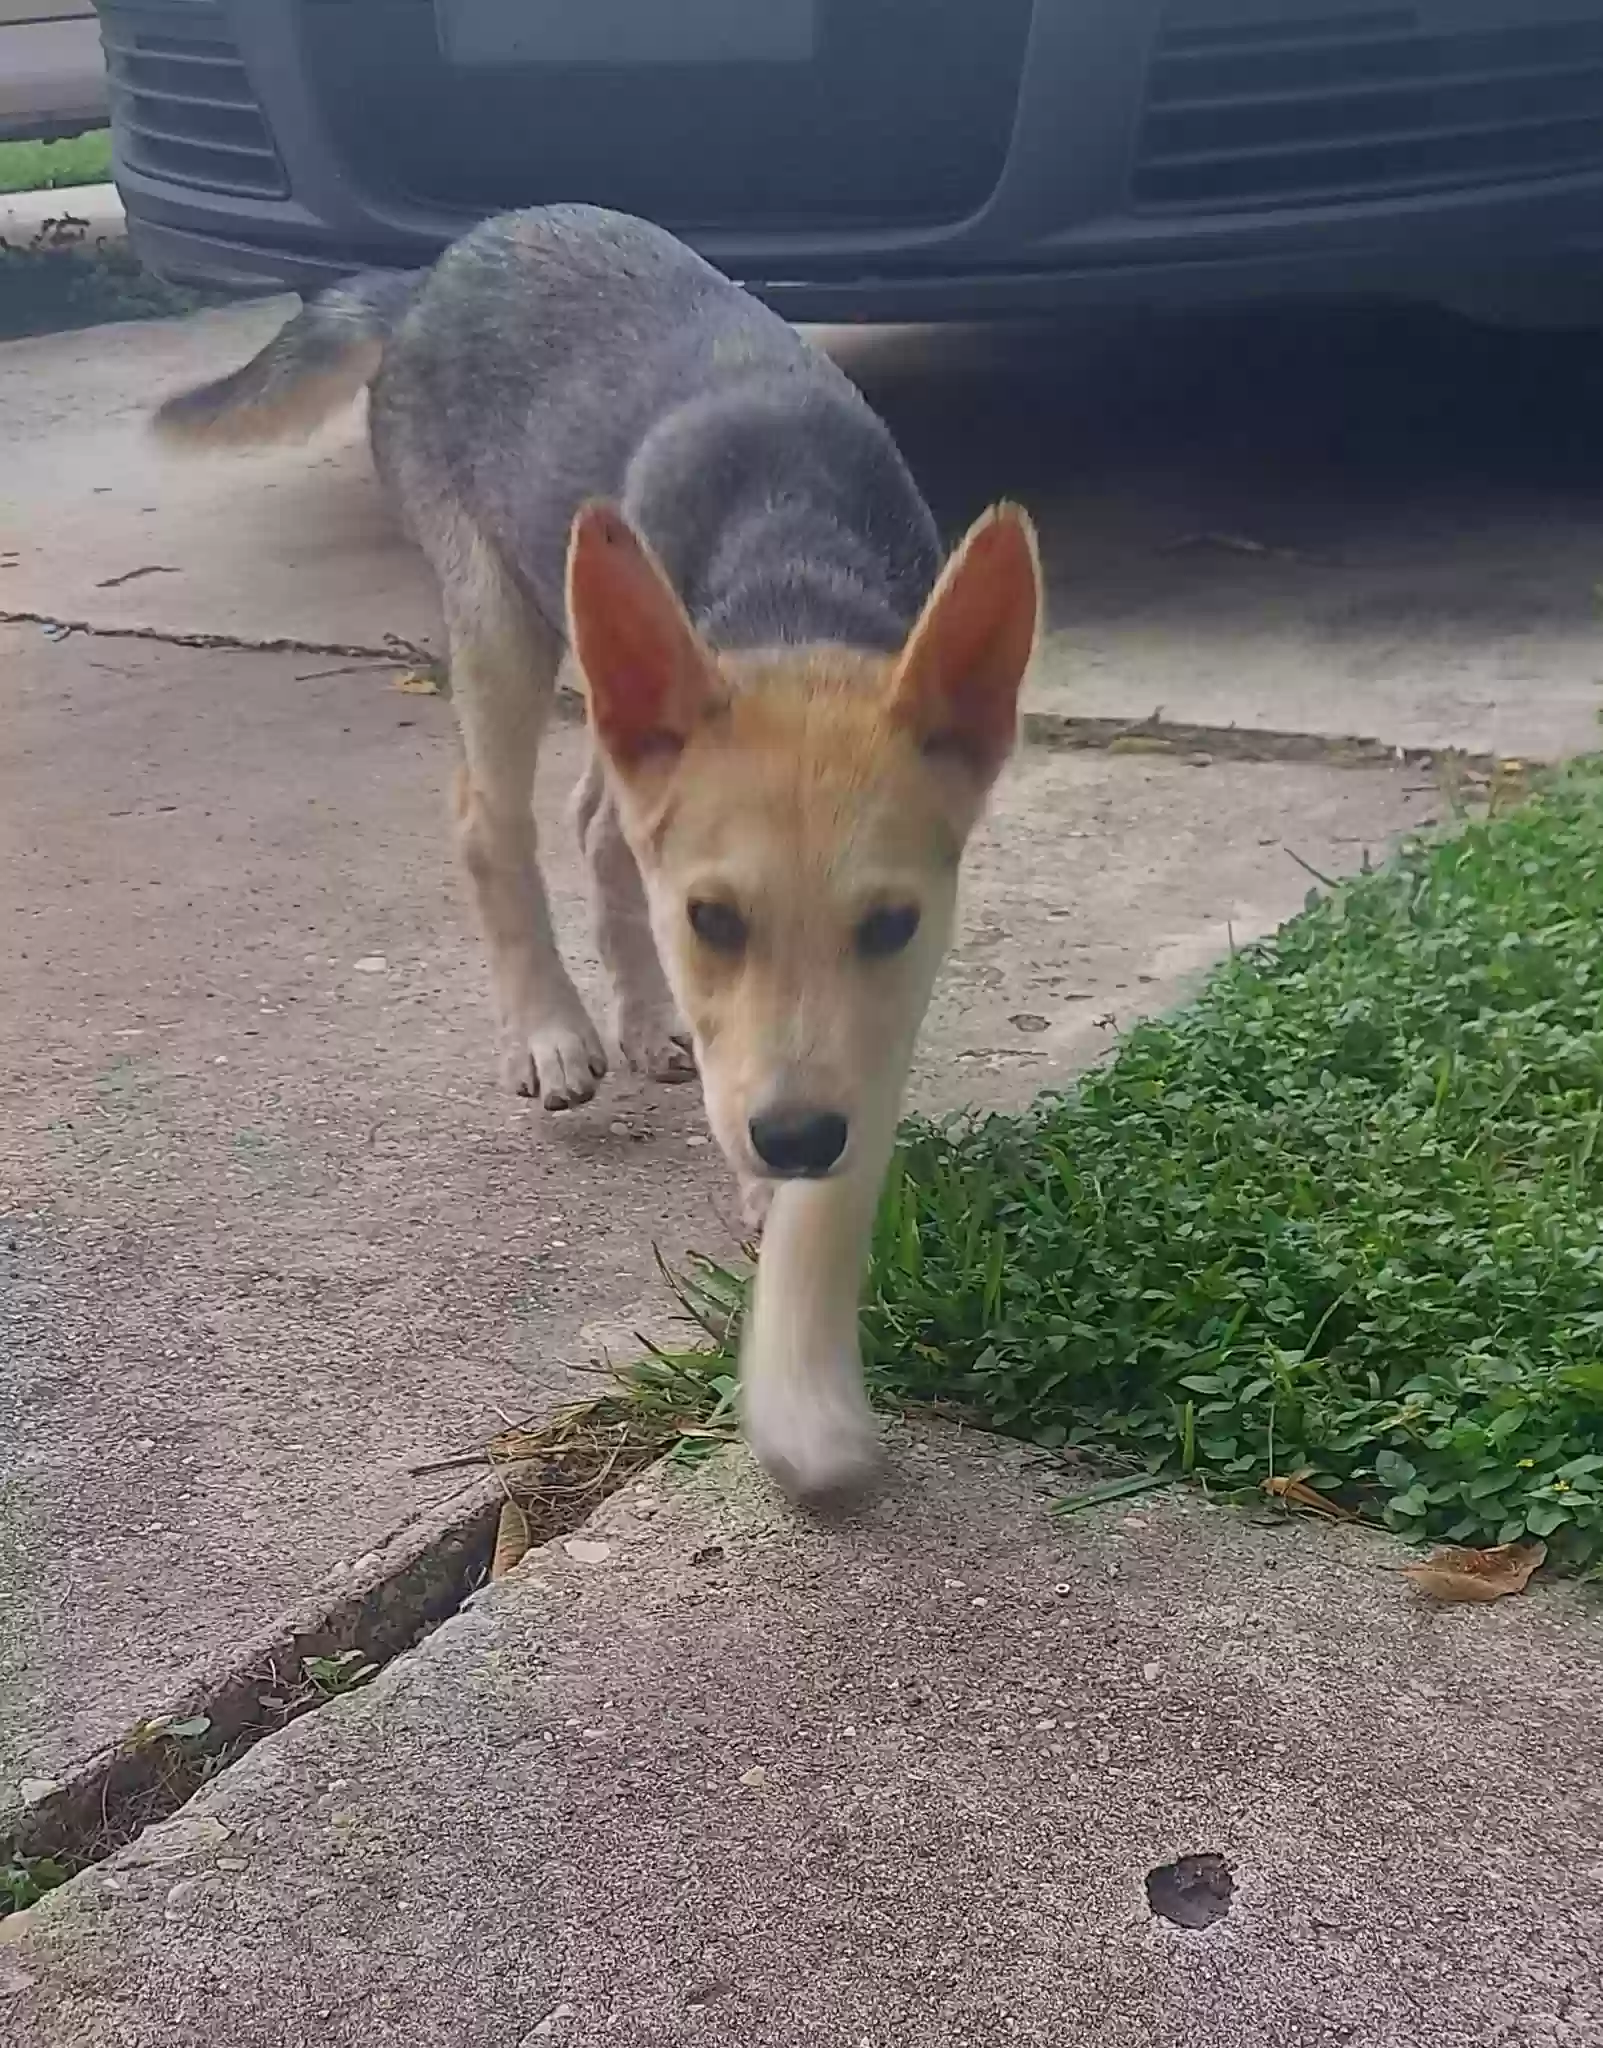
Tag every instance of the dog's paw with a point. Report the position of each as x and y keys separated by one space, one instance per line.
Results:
x=558 y=1060
x=756 y=1199
x=817 y=1445
x=661 y=1051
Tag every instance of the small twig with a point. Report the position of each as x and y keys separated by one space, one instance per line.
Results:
x=456 y=1464
x=1308 y=867
x=351 y=668
x=133 y=575
x=1232 y=544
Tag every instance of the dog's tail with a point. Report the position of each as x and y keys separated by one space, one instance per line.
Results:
x=312 y=367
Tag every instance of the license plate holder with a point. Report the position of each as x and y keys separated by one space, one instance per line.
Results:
x=475 y=34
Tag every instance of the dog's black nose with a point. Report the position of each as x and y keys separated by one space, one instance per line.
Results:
x=798 y=1143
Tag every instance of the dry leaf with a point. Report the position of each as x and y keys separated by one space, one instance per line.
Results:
x=1455 y=1574
x=1510 y=785
x=418 y=682
x=1298 y=1494
x=1140 y=743
x=511 y=1540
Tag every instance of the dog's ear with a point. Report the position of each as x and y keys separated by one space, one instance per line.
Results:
x=649 y=676
x=956 y=682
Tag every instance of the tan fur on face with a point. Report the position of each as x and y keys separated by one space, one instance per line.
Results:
x=802 y=790
x=804 y=805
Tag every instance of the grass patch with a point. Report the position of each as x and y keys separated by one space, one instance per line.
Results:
x=24 y=1880
x=48 y=166
x=52 y=286
x=1342 y=1217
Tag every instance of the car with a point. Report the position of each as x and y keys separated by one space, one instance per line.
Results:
x=884 y=159
x=52 y=75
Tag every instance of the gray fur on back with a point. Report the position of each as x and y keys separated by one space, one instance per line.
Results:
x=570 y=353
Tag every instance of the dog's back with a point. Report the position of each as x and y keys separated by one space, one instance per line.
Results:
x=569 y=353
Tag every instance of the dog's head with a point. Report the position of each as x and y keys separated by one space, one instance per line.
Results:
x=798 y=818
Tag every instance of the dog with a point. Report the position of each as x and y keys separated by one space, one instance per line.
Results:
x=612 y=455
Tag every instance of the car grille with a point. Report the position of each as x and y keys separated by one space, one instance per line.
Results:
x=181 y=104
x=1351 y=105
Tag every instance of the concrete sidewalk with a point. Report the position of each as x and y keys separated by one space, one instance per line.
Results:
x=273 y=1234
x=713 y=1774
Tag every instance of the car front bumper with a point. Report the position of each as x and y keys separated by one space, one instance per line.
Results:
x=1061 y=224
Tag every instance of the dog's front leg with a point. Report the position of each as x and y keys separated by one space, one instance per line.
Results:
x=504 y=661
x=803 y=1403
x=646 y=1019
x=550 y=1048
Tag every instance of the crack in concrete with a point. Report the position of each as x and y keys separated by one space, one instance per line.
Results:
x=1195 y=745
x=380 y=1605
x=383 y=1603
x=1202 y=745
x=392 y=648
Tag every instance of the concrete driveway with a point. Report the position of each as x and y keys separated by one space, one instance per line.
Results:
x=271 y=1237
x=716 y=1773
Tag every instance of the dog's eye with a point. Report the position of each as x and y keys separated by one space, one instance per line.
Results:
x=886 y=930
x=718 y=925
